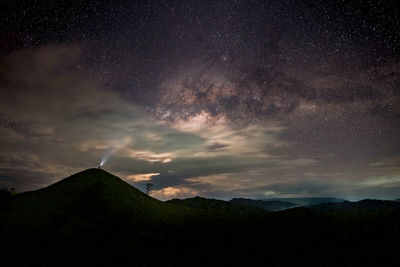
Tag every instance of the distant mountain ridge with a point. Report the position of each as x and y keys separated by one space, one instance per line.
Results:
x=367 y=204
x=94 y=218
x=272 y=205
x=215 y=206
x=317 y=204
x=307 y=201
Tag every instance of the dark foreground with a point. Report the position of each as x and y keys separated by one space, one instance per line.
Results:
x=95 y=219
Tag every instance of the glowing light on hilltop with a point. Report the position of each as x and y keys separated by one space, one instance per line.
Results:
x=102 y=162
x=106 y=156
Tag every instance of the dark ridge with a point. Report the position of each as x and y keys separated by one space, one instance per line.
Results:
x=270 y=205
x=94 y=218
x=366 y=204
x=214 y=206
x=307 y=201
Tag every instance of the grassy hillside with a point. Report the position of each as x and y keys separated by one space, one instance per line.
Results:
x=88 y=196
x=88 y=218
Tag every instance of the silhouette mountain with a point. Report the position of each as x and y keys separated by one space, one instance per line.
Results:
x=90 y=195
x=366 y=204
x=268 y=205
x=215 y=206
x=307 y=201
x=94 y=218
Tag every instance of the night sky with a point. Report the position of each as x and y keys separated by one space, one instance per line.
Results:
x=219 y=99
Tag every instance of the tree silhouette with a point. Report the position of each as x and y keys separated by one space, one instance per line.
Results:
x=148 y=187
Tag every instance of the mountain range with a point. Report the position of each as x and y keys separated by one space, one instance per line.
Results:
x=94 y=218
x=307 y=201
x=267 y=205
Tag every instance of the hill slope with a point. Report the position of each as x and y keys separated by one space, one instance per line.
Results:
x=91 y=194
x=93 y=218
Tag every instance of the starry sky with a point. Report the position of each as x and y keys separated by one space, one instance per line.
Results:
x=219 y=99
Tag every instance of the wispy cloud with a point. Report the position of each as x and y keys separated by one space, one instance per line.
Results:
x=55 y=121
x=141 y=177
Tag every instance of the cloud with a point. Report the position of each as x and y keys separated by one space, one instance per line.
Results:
x=56 y=120
x=141 y=177
x=50 y=109
x=385 y=182
x=174 y=192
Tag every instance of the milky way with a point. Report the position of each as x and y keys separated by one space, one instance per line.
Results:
x=211 y=98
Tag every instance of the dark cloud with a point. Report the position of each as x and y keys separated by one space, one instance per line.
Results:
x=216 y=147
